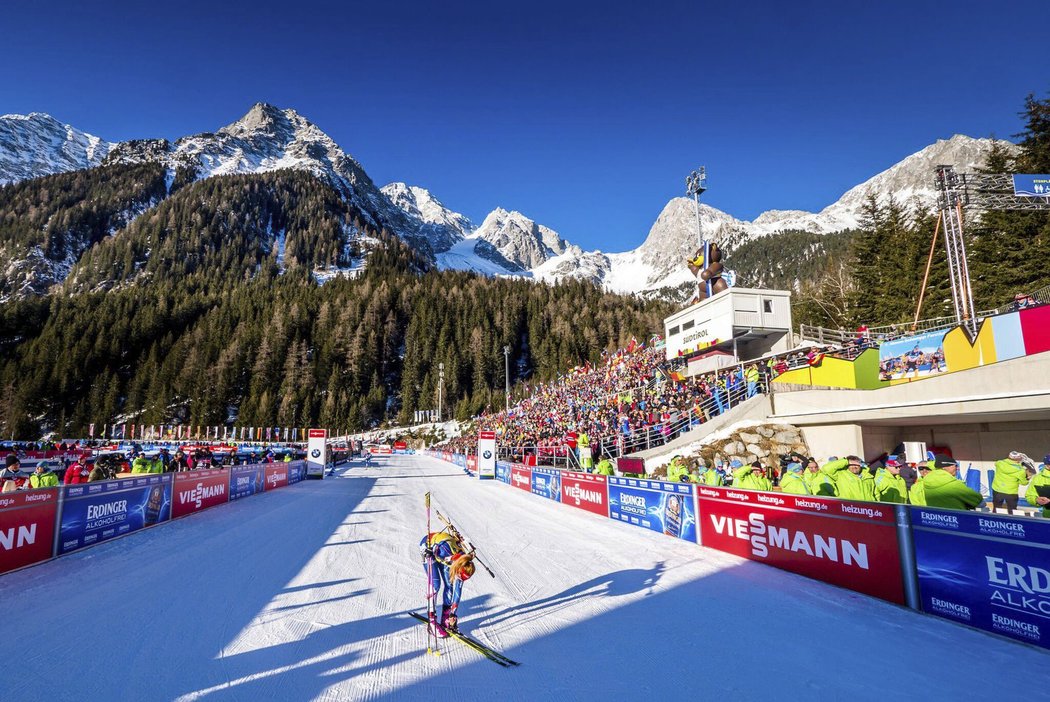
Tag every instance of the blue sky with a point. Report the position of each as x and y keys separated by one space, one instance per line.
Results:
x=584 y=116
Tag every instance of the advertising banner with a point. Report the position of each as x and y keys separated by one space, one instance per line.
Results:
x=850 y=544
x=296 y=471
x=987 y=570
x=915 y=356
x=27 y=527
x=1028 y=185
x=654 y=504
x=486 y=454
x=546 y=482
x=245 y=481
x=586 y=491
x=315 y=452
x=276 y=475
x=503 y=472
x=96 y=512
x=472 y=463
x=521 y=477
x=199 y=489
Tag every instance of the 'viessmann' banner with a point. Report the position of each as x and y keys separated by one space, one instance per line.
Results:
x=654 y=504
x=27 y=527
x=245 y=481
x=585 y=491
x=95 y=512
x=546 y=482
x=503 y=472
x=276 y=475
x=200 y=489
x=988 y=571
x=849 y=544
x=521 y=477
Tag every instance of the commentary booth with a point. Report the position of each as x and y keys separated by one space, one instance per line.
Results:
x=732 y=327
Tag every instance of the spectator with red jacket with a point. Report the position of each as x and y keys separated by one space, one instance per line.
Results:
x=77 y=472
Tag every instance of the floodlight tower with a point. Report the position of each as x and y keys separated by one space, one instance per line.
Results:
x=695 y=185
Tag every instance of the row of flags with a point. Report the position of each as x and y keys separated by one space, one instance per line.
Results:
x=178 y=432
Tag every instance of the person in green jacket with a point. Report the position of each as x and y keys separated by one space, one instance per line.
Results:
x=1010 y=474
x=792 y=481
x=604 y=467
x=43 y=476
x=140 y=464
x=942 y=489
x=818 y=482
x=712 y=477
x=1040 y=480
x=850 y=484
x=675 y=469
x=288 y=457
x=889 y=485
x=750 y=477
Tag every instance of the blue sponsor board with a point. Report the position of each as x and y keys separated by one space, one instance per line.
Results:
x=503 y=472
x=986 y=570
x=546 y=482
x=664 y=507
x=245 y=481
x=96 y=512
x=296 y=472
x=1027 y=185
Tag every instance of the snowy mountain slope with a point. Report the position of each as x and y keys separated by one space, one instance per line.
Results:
x=37 y=144
x=431 y=220
x=269 y=139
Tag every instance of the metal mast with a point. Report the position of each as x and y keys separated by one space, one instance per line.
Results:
x=695 y=185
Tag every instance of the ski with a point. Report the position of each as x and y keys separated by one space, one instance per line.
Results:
x=492 y=655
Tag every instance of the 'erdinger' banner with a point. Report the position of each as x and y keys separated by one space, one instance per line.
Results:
x=503 y=472
x=585 y=491
x=546 y=482
x=654 y=504
x=990 y=571
x=849 y=544
x=199 y=489
x=521 y=478
x=95 y=512
x=27 y=527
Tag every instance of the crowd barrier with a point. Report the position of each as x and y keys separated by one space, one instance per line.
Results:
x=988 y=571
x=37 y=525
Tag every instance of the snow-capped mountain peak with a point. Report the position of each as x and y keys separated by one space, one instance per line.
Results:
x=433 y=221
x=37 y=144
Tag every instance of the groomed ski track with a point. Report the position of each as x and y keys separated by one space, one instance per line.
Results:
x=302 y=594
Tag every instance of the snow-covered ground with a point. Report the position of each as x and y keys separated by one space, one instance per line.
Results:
x=302 y=594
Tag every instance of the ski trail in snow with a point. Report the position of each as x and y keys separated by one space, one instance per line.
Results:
x=303 y=594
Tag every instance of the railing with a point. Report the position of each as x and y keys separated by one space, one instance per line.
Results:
x=661 y=434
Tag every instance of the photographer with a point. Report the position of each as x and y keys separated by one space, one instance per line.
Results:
x=1010 y=474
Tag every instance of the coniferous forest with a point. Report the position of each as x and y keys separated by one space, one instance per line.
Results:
x=207 y=310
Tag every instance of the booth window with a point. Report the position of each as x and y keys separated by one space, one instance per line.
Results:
x=687 y=326
x=767 y=306
x=672 y=331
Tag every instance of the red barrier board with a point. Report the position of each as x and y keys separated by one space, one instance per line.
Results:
x=276 y=476
x=849 y=544
x=472 y=464
x=586 y=491
x=521 y=478
x=199 y=489
x=27 y=527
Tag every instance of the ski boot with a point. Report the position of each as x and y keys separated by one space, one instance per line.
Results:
x=449 y=621
x=437 y=628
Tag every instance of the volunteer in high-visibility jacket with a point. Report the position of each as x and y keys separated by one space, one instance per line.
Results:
x=850 y=481
x=943 y=489
x=712 y=476
x=43 y=476
x=917 y=491
x=1010 y=474
x=792 y=481
x=1040 y=480
x=676 y=469
x=140 y=464
x=818 y=482
x=604 y=467
x=889 y=485
x=750 y=477
x=583 y=449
